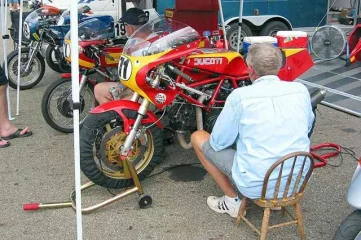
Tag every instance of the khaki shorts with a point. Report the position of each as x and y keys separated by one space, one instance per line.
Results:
x=223 y=159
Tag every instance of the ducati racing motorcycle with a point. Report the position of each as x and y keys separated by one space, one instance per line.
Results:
x=99 y=55
x=165 y=64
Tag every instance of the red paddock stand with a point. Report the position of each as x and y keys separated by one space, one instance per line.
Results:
x=332 y=149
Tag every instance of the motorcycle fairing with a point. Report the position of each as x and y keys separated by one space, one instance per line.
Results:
x=220 y=61
x=355 y=53
x=58 y=32
x=133 y=75
x=296 y=62
x=354 y=193
x=34 y=20
x=120 y=105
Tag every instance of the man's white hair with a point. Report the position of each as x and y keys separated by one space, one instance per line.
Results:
x=265 y=59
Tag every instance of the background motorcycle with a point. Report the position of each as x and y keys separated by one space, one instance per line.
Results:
x=32 y=67
x=98 y=53
x=350 y=228
x=54 y=55
x=40 y=27
x=171 y=72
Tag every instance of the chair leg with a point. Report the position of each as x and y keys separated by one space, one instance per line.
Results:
x=241 y=210
x=265 y=223
x=299 y=217
x=283 y=211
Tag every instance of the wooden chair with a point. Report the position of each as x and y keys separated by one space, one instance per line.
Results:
x=276 y=202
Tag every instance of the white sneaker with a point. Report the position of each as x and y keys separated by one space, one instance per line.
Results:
x=220 y=205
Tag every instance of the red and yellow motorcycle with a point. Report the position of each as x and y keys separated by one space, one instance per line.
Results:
x=99 y=54
x=166 y=66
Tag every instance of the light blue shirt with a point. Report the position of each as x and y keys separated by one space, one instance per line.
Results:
x=268 y=120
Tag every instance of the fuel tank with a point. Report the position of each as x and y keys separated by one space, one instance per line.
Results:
x=218 y=60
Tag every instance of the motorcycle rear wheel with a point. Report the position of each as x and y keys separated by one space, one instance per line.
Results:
x=101 y=137
x=350 y=228
x=56 y=104
x=37 y=67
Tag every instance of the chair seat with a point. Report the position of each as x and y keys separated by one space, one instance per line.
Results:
x=279 y=202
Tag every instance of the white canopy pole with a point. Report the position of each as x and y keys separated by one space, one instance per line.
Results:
x=223 y=26
x=3 y=17
x=76 y=106
x=19 y=56
x=240 y=24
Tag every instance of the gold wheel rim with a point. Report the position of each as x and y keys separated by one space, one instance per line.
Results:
x=114 y=144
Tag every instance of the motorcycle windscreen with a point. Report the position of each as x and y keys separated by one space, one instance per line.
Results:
x=95 y=28
x=64 y=18
x=158 y=36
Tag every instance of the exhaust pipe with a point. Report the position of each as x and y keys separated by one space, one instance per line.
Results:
x=181 y=135
x=317 y=96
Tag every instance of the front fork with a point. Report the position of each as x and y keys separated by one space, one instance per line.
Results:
x=34 y=49
x=142 y=111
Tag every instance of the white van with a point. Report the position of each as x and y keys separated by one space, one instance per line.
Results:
x=114 y=8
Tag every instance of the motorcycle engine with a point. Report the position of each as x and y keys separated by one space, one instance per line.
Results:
x=182 y=117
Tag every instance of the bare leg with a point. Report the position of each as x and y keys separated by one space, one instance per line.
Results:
x=198 y=139
x=101 y=92
x=6 y=128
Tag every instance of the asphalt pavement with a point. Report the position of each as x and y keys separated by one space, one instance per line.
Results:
x=41 y=169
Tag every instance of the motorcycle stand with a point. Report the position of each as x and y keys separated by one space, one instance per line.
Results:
x=144 y=200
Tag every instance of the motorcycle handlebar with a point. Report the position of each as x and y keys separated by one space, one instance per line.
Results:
x=101 y=52
x=118 y=41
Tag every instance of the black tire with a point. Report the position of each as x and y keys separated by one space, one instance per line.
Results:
x=13 y=69
x=350 y=227
x=232 y=35
x=271 y=28
x=102 y=172
x=62 y=105
x=55 y=66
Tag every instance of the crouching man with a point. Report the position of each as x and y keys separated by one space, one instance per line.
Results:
x=266 y=121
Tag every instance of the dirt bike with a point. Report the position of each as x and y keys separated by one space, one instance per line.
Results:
x=164 y=65
x=350 y=228
x=99 y=53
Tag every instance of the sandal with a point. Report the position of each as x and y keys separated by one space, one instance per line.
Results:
x=17 y=134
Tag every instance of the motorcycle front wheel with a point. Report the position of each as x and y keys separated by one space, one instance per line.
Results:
x=54 y=61
x=29 y=78
x=350 y=228
x=56 y=104
x=101 y=138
